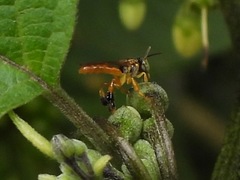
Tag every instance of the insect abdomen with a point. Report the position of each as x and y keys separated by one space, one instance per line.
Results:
x=100 y=69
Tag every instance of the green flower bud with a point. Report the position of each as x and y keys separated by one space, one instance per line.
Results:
x=127 y=174
x=186 y=31
x=66 y=169
x=132 y=13
x=151 y=169
x=67 y=177
x=100 y=162
x=46 y=177
x=140 y=100
x=170 y=128
x=80 y=147
x=146 y=153
x=99 y=166
x=64 y=148
x=128 y=121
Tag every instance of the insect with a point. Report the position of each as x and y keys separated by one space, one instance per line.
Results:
x=123 y=71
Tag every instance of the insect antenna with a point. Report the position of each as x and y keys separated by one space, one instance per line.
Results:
x=149 y=55
x=153 y=54
x=147 y=52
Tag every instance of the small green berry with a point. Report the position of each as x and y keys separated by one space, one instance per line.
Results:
x=128 y=121
x=142 y=100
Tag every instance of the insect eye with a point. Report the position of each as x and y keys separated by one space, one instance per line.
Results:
x=124 y=69
x=144 y=66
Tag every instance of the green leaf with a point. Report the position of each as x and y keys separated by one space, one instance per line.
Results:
x=16 y=88
x=34 y=34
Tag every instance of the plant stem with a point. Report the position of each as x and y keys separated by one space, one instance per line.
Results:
x=204 y=27
x=131 y=160
x=231 y=11
x=162 y=142
x=83 y=122
x=228 y=163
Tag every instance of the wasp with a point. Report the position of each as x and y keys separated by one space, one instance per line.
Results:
x=124 y=71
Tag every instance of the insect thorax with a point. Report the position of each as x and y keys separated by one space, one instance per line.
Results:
x=130 y=67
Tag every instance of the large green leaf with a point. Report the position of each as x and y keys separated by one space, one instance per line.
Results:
x=35 y=34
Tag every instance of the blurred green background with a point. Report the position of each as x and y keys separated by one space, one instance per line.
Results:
x=200 y=101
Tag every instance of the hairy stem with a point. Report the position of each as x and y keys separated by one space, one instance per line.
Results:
x=228 y=163
x=162 y=140
x=204 y=27
x=79 y=118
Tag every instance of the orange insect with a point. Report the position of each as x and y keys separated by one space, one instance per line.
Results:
x=123 y=71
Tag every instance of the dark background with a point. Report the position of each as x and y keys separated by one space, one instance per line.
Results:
x=201 y=101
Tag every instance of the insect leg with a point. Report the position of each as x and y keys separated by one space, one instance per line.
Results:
x=107 y=99
x=135 y=84
x=110 y=97
x=146 y=76
x=136 y=87
x=103 y=97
